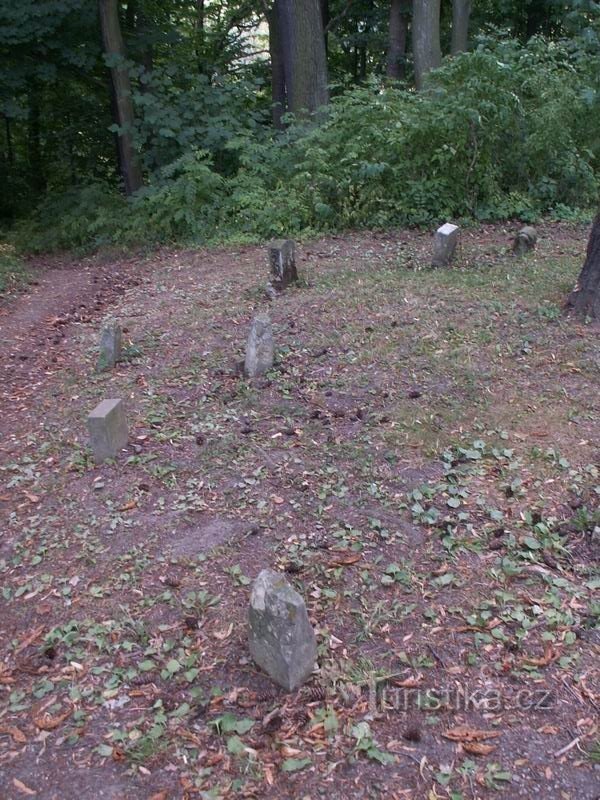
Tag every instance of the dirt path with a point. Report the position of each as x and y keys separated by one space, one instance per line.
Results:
x=34 y=325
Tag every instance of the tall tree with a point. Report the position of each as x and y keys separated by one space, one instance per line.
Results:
x=426 y=38
x=585 y=298
x=278 y=98
x=461 y=12
x=398 y=32
x=114 y=50
x=304 y=56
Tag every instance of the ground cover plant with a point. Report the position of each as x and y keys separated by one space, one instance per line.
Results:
x=422 y=463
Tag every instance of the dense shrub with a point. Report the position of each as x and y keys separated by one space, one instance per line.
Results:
x=501 y=132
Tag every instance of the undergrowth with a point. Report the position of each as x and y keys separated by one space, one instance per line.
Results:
x=502 y=132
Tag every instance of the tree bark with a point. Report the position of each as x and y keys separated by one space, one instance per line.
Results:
x=326 y=17
x=114 y=48
x=461 y=12
x=426 y=38
x=34 y=142
x=304 y=57
x=396 y=55
x=278 y=98
x=9 y=145
x=585 y=298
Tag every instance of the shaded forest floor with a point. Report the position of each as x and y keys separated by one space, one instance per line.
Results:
x=422 y=462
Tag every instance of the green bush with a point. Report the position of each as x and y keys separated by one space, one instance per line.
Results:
x=12 y=270
x=504 y=131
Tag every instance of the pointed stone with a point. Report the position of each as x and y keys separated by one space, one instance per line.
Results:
x=444 y=245
x=110 y=346
x=282 y=261
x=107 y=426
x=260 y=348
x=282 y=640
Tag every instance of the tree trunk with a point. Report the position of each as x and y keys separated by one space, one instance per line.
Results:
x=396 y=55
x=278 y=107
x=114 y=48
x=9 y=145
x=34 y=142
x=461 y=12
x=326 y=17
x=585 y=298
x=362 y=62
x=426 y=38
x=304 y=58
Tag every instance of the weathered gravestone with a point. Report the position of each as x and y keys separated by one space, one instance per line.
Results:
x=110 y=346
x=525 y=240
x=282 y=640
x=282 y=261
x=259 y=348
x=107 y=426
x=444 y=244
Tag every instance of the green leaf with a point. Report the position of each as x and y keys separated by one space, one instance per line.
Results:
x=531 y=543
x=295 y=764
x=235 y=746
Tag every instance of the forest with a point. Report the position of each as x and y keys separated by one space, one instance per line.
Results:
x=189 y=120
x=299 y=399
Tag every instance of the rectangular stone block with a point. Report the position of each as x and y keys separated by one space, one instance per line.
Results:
x=444 y=245
x=282 y=261
x=260 y=347
x=107 y=427
x=110 y=346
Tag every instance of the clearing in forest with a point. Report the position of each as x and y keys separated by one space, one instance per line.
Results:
x=422 y=462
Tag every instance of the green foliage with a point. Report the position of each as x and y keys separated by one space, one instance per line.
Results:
x=80 y=218
x=505 y=131
x=178 y=112
x=12 y=270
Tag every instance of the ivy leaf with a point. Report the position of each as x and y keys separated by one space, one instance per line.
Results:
x=295 y=764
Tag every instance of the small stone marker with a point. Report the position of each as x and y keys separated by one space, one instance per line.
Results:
x=108 y=429
x=525 y=240
x=260 y=348
x=110 y=346
x=282 y=640
x=282 y=260
x=446 y=239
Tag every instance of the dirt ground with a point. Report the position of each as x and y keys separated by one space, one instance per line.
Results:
x=423 y=464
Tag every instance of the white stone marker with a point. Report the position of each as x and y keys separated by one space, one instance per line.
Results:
x=444 y=245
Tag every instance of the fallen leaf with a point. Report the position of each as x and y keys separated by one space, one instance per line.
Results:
x=49 y=722
x=464 y=734
x=129 y=506
x=17 y=735
x=408 y=683
x=478 y=748
x=551 y=730
x=345 y=560
x=22 y=788
x=30 y=639
x=549 y=656
x=224 y=634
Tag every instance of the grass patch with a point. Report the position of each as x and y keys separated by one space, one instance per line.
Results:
x=13 y=272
